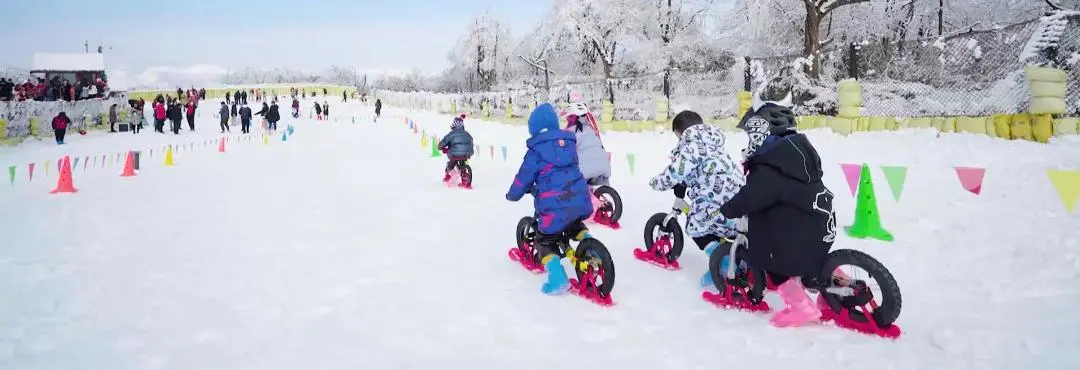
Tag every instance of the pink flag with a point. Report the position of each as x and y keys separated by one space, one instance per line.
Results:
x=971 y=178
x=31 y=167
x=851 y=174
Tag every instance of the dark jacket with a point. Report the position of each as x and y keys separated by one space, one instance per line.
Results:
x=262 y=112
x=791 y=224
x=272 y=115
x=245 y=114
x=550 y=167
x=458 y=143
x=223 y=113
x=174 y=112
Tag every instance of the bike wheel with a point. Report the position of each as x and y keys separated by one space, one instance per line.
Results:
x=743 y=279
x=612 y=198
x=655 y=228
x=525 y=235
x=884 y=313
x=593 y=256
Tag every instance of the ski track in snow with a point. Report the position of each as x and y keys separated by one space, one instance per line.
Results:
x=341 y=249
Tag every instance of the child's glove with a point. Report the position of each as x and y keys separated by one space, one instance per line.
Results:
x=681 y=205
x=444 y=150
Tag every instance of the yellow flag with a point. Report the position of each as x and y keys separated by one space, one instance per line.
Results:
x=423 y=141
x=47 y=163
x=1067 y=184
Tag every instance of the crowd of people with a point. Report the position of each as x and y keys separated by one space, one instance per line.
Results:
x=175 y=110
x=52 y=90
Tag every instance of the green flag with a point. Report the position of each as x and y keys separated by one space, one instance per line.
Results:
x=11 y=174
x=895 y=176
x=630 y=160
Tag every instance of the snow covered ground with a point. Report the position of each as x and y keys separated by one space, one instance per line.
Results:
x=340 y=249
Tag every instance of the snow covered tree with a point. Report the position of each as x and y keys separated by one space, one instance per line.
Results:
x=602 y=26
x=485 y=49
x=676 y=28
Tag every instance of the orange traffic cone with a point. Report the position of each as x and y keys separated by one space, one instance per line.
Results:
x=221 y=145
x=64 y=184
x=129 y=165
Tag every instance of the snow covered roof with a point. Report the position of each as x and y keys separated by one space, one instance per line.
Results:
x=49 y=62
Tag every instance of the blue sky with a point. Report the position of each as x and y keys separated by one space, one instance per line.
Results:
x=373 y=35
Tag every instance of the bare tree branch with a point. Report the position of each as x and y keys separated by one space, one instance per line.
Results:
x=831 y=5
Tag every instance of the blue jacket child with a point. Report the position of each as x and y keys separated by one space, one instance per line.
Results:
x=561 y=194
x=458 y=145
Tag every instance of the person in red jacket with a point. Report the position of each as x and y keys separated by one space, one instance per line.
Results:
x=159 y=117
x=191 y=114
x=60 y=124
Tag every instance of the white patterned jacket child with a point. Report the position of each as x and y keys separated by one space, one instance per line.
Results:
x=701 y=162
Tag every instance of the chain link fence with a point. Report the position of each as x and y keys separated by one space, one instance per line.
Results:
x=965 y=73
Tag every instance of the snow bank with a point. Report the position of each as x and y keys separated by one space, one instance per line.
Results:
x=82 y=113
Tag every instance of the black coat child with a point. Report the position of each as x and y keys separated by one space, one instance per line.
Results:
x=791 y=224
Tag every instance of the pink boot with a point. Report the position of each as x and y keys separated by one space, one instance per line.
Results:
x=798 y=309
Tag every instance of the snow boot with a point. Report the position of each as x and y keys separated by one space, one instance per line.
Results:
x=446 y=176
x=798 y=309
x=557 y=283
x=706 y=280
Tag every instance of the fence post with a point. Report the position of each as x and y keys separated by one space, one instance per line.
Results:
x=853 y=60
x=744 y=98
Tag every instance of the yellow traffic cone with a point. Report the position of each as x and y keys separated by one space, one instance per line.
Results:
x=266 y=140
x=168 y=157
x=423 y=141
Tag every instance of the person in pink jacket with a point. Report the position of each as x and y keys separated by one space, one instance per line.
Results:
x=159 y=117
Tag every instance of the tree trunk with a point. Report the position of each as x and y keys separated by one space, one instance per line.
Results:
x=812 y=38
x=941 y=17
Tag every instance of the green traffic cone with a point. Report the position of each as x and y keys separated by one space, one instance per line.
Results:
x=867 y=220
x=435 y=147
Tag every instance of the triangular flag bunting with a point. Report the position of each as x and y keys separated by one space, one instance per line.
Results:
x=30 y=167
x=76 y=164
x=895 y=176
x=971 y=178
x=47 y=164
x=504 y=152
x=85 y=161
x=492 y=147
x=1067 y=184
x=11 y=174
x=851 y=175
x=630 y=160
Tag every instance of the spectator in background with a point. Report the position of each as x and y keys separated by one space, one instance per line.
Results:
x=191 y=107
x=228 y=97
x=60 y=124
x=223 y=114
x=159 y=115
x=173 y=112
x=325 y=110
x=232 y=111
x=245 y=118
x=112 y=118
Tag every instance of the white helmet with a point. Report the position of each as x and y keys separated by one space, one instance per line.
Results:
x=577 y=109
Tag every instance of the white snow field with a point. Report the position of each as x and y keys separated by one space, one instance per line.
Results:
x=341 y=249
